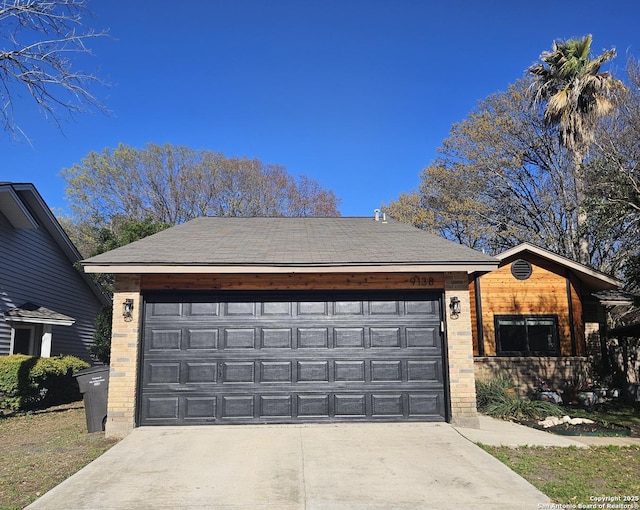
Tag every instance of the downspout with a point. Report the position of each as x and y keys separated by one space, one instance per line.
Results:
x=479 y=323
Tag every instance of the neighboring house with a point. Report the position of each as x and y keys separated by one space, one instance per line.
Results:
x=290 y=320
x=47 y=306
x=623 y=347
x=536 y=317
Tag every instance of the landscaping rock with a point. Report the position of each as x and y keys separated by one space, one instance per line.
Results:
x=554 y=421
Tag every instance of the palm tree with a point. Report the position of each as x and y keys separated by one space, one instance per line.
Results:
x=576 y=96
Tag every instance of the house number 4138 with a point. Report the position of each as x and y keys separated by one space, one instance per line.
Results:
x=421 y=281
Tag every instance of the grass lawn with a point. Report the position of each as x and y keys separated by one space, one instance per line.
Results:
x=575 y=475
x=572 y=476
x=41 y=449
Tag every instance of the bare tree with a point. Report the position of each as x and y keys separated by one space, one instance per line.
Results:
x=501 y=178
x=172 y=184
x=38 y=41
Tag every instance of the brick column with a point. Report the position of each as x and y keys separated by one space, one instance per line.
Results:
x=121 y=406
x=462 y=383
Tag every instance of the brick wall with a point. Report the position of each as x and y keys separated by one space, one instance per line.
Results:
x=125 y=342
x=123 y=374
x=460 y=353
x=525 y=371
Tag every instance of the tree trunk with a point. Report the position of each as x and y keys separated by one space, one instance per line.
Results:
x=583 y=238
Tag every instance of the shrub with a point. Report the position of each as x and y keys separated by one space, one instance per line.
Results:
x=493 y=389
x=101 y=346
x=497 y=397
x=28 y=383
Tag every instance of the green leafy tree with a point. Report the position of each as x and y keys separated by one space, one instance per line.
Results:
x=101 y=347
x=575 y=96
x=119 y=233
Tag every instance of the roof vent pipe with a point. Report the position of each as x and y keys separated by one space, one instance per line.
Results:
x=377 y=213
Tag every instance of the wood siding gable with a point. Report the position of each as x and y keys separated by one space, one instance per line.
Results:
x=550 y=290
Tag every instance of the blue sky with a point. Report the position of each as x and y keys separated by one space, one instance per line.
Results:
x=357 y=94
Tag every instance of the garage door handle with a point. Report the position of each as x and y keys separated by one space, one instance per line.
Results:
x=220 y=372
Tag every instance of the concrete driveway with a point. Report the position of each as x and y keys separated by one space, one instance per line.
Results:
x=312 y=467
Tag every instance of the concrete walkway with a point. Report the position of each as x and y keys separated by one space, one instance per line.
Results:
x=494 y=432
x=311 y=467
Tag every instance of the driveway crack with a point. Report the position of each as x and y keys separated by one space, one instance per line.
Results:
x=304 y=482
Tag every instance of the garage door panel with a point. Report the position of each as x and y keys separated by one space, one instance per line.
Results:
x=313 y=406
x=276 y=338
x=240 y=309
x=161 y=408
x=309 y=338
x=350 y=308
x=161 y=310
x=386 y=371
x=425 y=405
x=350 y=405
x=384 y=337
x=239 y=338
x=312 y=308
x=346 y=371
x=238 y=372
x=276 y=372
x=162 y=373
x=200 y=408
x=254 y=359
x=384 y=308
x=203 y=310
x=423 y=308
x=192 y=372
x=236 y=407
x=423 y=337
x=348 y=337
x=313 y=371
x=387 y=405
x=199 y=373
x=202 y=339
x=165 y=339
x=276 y=406
x=280 y=309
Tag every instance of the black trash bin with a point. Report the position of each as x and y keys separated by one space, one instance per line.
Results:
x=93 y=383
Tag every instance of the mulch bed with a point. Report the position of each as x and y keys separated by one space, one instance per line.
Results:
x=597 y=429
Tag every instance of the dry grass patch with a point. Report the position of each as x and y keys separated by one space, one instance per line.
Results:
x=41 y=449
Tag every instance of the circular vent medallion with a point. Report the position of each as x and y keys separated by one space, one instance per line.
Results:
x=521 y=269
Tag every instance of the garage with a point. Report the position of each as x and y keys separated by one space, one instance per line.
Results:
x=288 y=357
x=290 y=320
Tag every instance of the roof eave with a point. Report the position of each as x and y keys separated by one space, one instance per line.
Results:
x=470 y=267
x=39 y=320
x=595 y=278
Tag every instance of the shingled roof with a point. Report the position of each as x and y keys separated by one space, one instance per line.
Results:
x=244 y=244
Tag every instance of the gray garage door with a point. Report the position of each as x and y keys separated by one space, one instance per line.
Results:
x=294 y=357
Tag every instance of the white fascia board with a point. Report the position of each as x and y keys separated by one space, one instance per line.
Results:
x=193 y=269
x=14 y=210
x=35 y=320
x=559 y=259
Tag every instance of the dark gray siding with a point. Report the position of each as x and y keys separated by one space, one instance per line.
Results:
x=34 y=268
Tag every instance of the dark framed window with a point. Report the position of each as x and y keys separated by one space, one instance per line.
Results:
x=527 y=335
